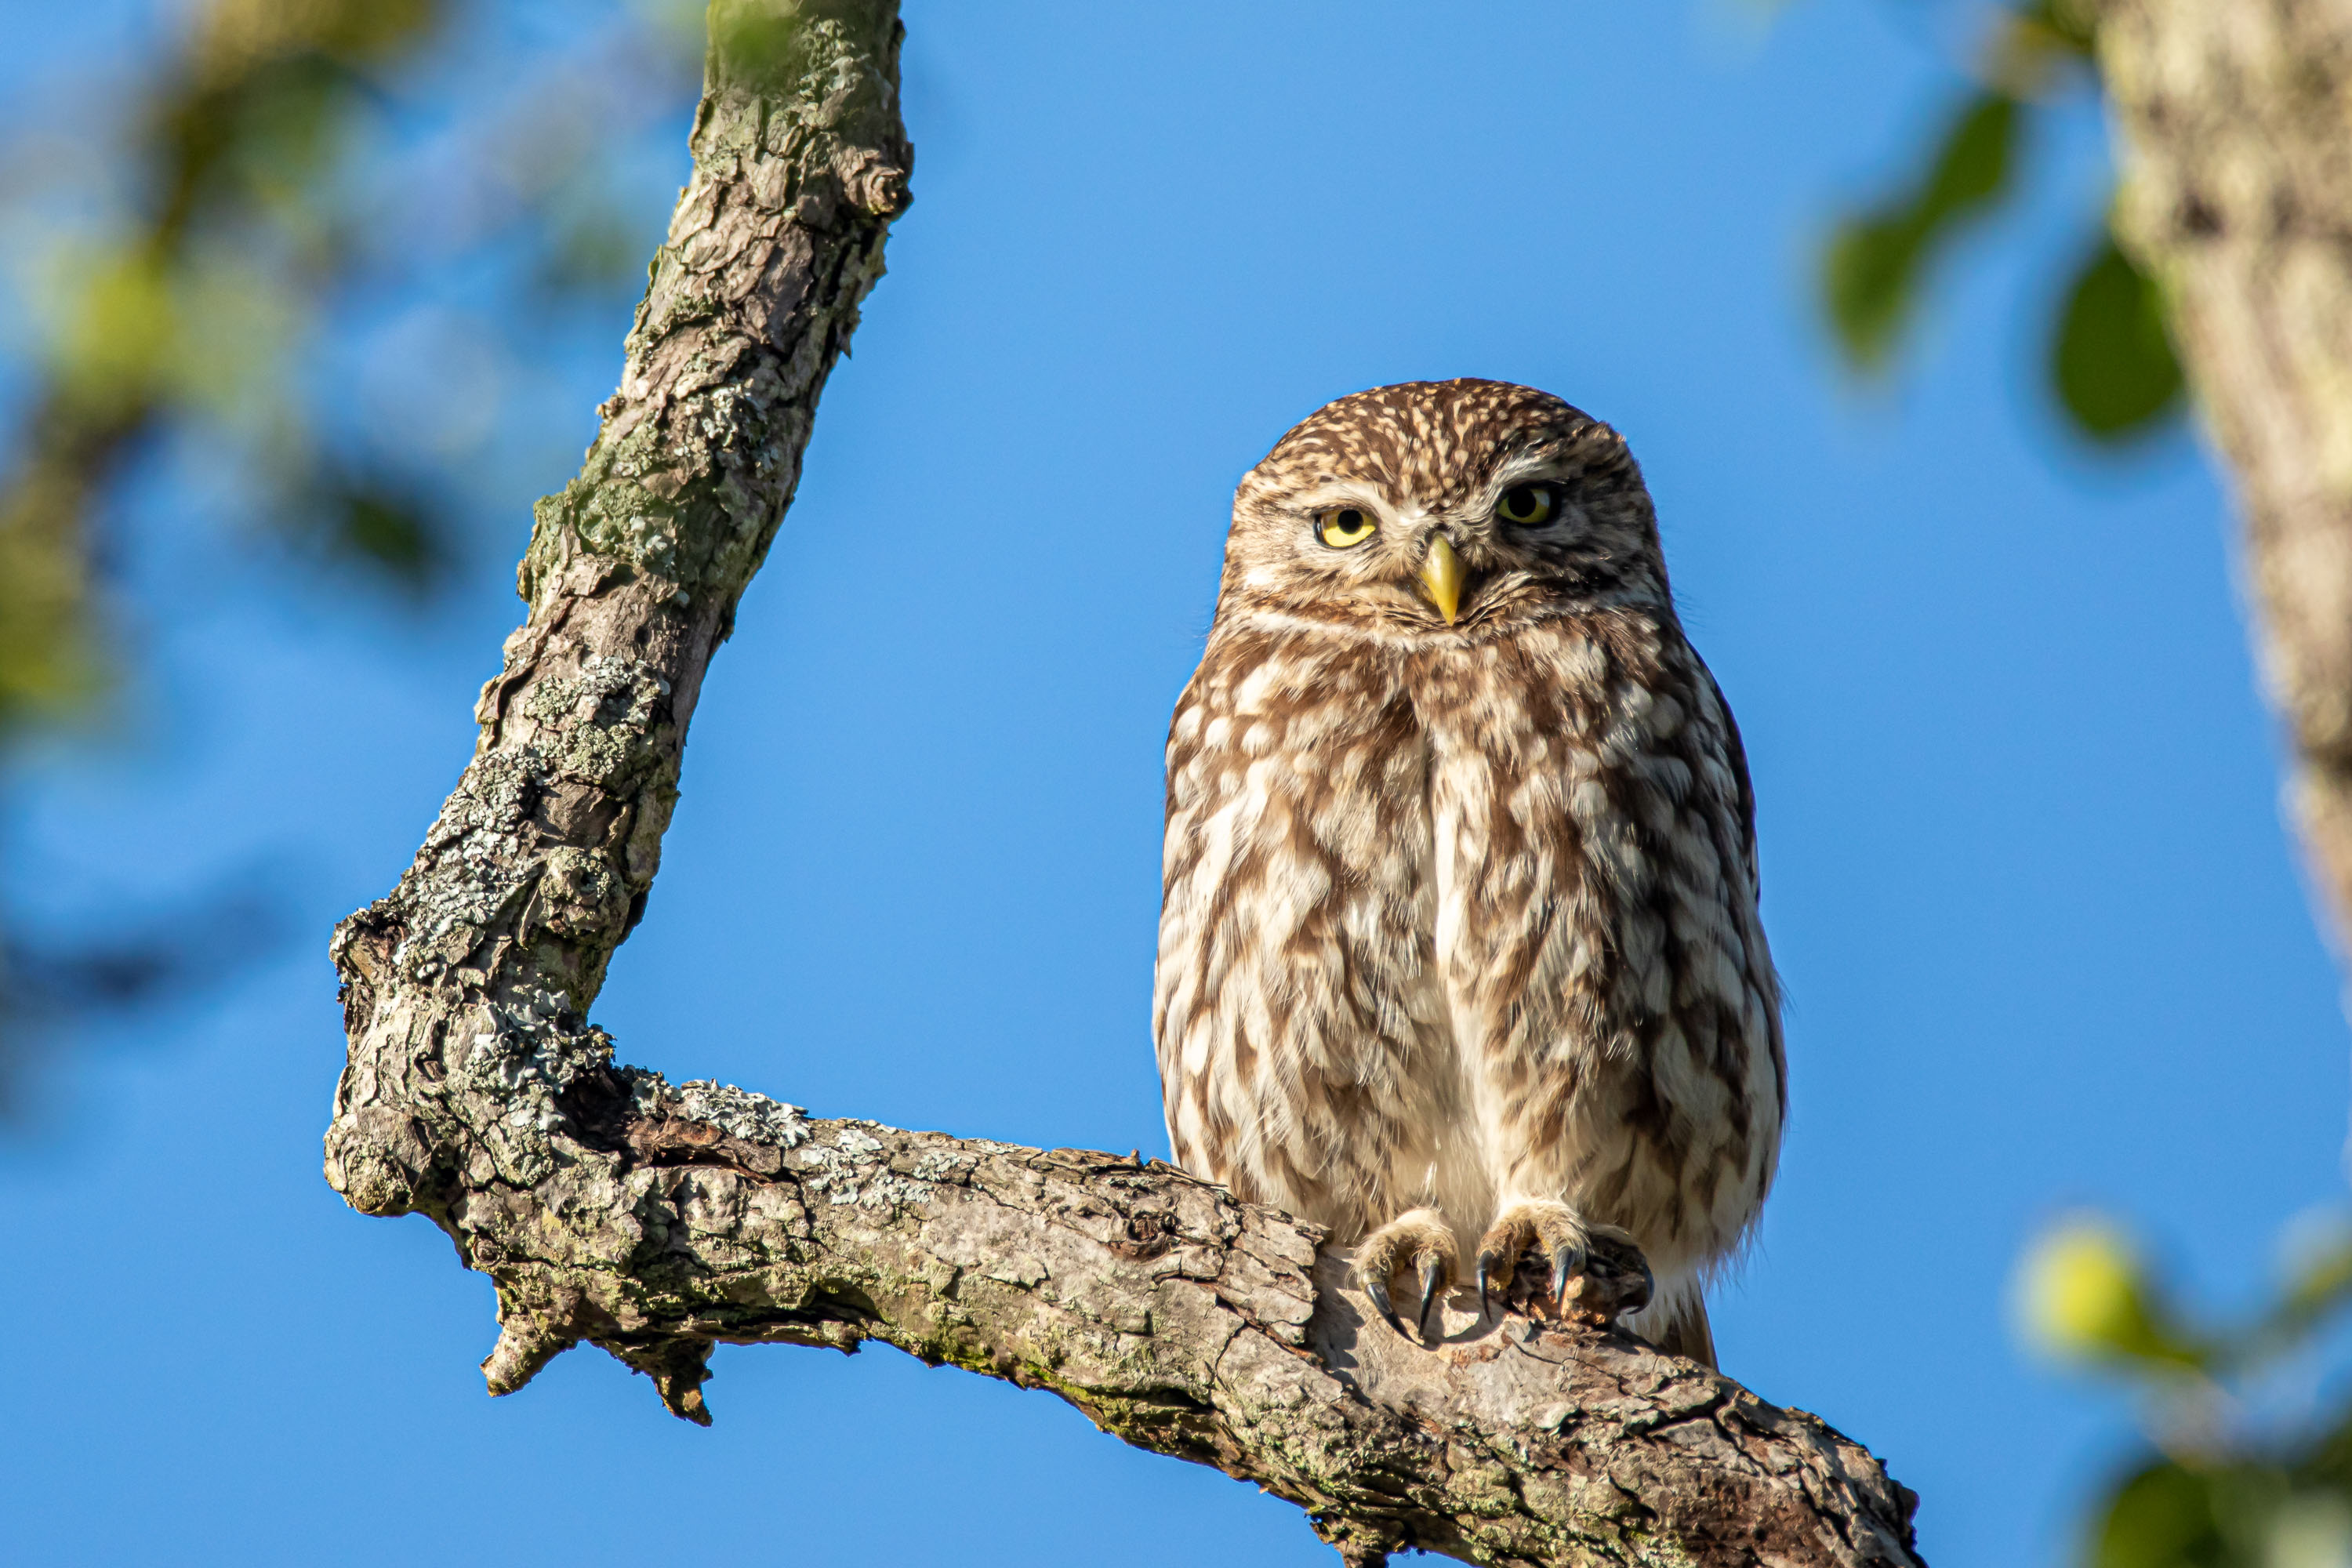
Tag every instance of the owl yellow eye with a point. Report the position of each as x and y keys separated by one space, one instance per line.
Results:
x=1525 y=505
x=1344 y=525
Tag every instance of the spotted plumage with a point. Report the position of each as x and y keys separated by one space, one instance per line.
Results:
x=1459 y=935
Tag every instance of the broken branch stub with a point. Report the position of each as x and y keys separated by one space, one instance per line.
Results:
x=657 y=1221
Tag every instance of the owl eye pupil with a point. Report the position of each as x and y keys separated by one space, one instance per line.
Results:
x=1525 y=504
x=1350 y=521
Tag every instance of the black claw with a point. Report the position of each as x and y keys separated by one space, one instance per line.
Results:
x=1433 y=1269
x=1567 y=1258
x=1494 y=1272
x=1378 y=1289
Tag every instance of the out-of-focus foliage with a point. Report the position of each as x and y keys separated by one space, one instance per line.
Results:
x=255 y=194
x=1871 y=272
x=2247 y=1461
x=173 y=315
x=2111 y=365
x=2111 y=358
x=2243 y=1469
x=299 y=264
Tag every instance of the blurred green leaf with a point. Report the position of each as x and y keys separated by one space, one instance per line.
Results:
x=2248 y=1507
x=1875 y=268
x=374 y=524
x=186 y=313
x=2058 y=26
x=190 y=308
x=2111 y=362
x=2163 y=1516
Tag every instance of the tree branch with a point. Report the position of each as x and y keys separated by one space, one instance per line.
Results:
x=657 y=1221
x=2237 y=196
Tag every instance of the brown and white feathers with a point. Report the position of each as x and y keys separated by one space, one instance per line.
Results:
x=1460 y=930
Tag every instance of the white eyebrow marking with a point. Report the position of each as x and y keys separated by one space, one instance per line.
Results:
x=1520 y=469
x=1341 y=492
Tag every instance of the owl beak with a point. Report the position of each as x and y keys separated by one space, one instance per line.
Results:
x=1442 y=576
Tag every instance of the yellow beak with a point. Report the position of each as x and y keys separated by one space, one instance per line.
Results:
x=1442 y=576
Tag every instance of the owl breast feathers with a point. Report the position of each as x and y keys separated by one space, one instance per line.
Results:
x=1459 y=931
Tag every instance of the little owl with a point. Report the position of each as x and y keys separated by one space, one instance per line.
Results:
x=1459 y=934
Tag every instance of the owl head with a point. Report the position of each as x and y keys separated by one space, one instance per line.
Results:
x=1434 y=505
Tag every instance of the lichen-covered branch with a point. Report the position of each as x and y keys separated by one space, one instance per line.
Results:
x=656 y=1221
x=2236 y=122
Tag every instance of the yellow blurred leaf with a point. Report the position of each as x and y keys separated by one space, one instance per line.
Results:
x=2083 y=1294
x=2080 y=1286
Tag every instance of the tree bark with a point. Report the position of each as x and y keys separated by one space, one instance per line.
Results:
x=656 y=1221
x=2236 y=127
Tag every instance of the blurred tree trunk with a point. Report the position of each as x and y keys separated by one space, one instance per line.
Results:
x=2235 y=119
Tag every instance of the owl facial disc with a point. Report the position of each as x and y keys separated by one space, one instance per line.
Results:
x=1441 y=575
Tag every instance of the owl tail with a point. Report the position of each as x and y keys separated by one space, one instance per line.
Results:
x=1686 y=1332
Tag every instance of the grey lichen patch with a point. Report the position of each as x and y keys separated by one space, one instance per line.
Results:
x=478 y=866
x=553 y=541
x=853 y=1167
x=581 y=892
x=600 y=725
x=529 y=1052
x=952 y=1165
x=737 y=1113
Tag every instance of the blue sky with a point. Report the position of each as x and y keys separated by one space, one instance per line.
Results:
x=2042 y=933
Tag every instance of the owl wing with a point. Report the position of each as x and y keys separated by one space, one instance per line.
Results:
x=1736 y=752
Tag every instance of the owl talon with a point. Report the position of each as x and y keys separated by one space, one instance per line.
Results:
x=1433 y=1274
x=1490 y=1266
x=1567 y=1258
x=1549 y=1235
x=1420 y=1236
